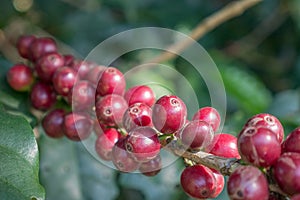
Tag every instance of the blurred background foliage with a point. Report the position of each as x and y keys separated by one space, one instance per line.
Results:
x=256 y=53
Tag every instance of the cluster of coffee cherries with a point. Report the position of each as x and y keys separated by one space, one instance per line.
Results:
x=131 y=125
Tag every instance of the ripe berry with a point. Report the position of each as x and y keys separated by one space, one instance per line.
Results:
x=81 y=96
x=247 y=183
x=47 y=65
x=287 y=172
x=23 y=45
x=209 y=115
x=292 y=142
x=110 y=109
x=111 y=81
x=94 y=74
x=295 y=197
x=220 y=183
x=196 y=135
x=63 y=80
x=143 y=143
x=122 y=159
x=105 y=143
x=224 y=145
x=42 y=96
x=53 y=123
x=267 y=121
x=77 y=126
x=68 y=60
x=42 y=46
x=140 y=94
x=259 y=146
x=151 y=167
x=198 y=181
x=137 y=114
x=82 y=67
x=169 y=114
x=20 y=77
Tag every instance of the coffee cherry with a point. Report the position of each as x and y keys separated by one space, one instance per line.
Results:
x=151 y=167
x=196 y=135
x=94 y=74
x=122 y=159
x=224 y=145
x=259 y=146
x=42 y=96
x=105 y=143
x=110 y=109
x=209 y=115
x=169 y=114
x=52 y=123
x=267 y=121
x=111 y=81
x=287 y=172
x=47 y=65
x=63 y=80
x=77 y=126
x=295 y=197
x=20 y=77
x=140 y=94
x=82 y=67
x=81 y=96
x=220 y=183
x=292 y=142
x=137 y=114
x=247 y=183
x=42 y=46
x=68 y=60
x=23 y=45
x=143 y=143
x=198 y=182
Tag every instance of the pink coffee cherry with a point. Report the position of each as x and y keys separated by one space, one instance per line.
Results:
x=140 y=94
x=292 y=142
x=209 y=115
x=20 y=77
x=295 y=197
x=151 y=167
x=220 y=183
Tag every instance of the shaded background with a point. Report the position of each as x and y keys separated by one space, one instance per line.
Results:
x=257 y=54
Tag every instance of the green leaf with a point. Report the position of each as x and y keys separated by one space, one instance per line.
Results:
x=19 y=159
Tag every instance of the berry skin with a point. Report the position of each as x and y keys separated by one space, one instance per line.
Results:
x=247 y=183
x=63 y=80
x=42 y=46
x=143 y=143
x=295 y=197
x=287 y=172
x=82 y=67
x=68 y=60
x=94 y=74
x=20 y=77
x=220 y=183
x=122 y=159
x=77 y=126
x=169 y=114
x=105 y=143
x=137 y=114
x=198 y=182
x=42 y=96
x=53 y=123
x=196 y=135
x=111 y=81
x=267 y=121
x=151 y=167
x=23 y=45
x=110 y=110
x=140 y=94
x=47 y=65
x=259 y=146
x=209 y=115
x=292 y=142
x=224 y=145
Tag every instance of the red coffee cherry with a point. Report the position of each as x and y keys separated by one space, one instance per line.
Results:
x=151 y=167
x=247 y=183
x=63 y=80
x=94 y=74
x=292 y=142
x=209 y=115
x=82 y=67
x=52 y=123
x=198 y=182
x=220 y=183
x=105 y=143
x=42 y=96
x=42 y=46
x=20 y=77
x=23 y=45
x=68 y=60
x=111 y=81
x=110 y=110
x=259 y=146
x=143 y=143
x=295 y=197
x=169 y=114
x=140 y=94
x=286 y=172
x=196 y=135
x=267 y=121
x=224 y=145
